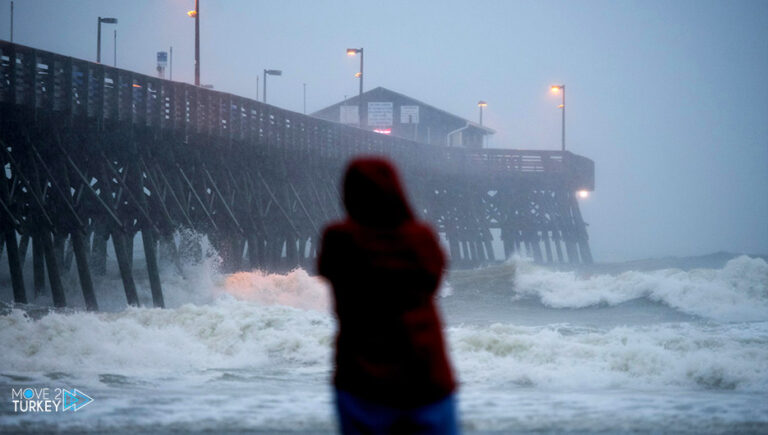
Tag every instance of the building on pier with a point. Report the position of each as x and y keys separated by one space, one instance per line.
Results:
x=389 y=112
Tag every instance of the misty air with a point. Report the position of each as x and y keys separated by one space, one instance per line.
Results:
x=432 y=217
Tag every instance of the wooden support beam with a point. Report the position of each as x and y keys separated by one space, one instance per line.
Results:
x=8 y=213
x=150 y=254
x=64 y=196
x=129 y=238
x=304 y=209
x=58 y=249
x=99 y=250
x=536 y=246
x=83 y=270
x=489 y=254
x=136 y=202
x=14 y=264
x=23 y=245
x=175 y=198
x=30 y=189
x=571 y=249
x=223 y=201
x=199 y=200
x=54 y=278
x=557 y=239
x=547 y=246
x=90 y=188
x=68 y=256
x=38 y=264
x=277 y=204
x=124 y=264
x=156 y=194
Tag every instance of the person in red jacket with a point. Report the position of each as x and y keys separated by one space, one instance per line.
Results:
x=392 y=373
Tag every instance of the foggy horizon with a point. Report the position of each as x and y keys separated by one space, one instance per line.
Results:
x=668 y=100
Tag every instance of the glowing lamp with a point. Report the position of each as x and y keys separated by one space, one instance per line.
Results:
x=192 y=13
x=582 y=194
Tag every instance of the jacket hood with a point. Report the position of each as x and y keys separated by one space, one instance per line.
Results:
x=373 y=194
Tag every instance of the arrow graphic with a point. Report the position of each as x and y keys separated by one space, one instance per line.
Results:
x=76 y=399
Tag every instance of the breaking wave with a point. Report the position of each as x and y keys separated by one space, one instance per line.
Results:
x=256 y=320
x=737 y=292
x=729 y=357
x=231 y=334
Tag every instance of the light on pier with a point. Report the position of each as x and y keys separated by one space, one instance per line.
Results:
x=359 y=75
x=556 y=89
x=481 y=104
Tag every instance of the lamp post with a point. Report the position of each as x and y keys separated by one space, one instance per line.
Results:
x=352 y=52
x=98 y=35
x=196 y=15
x=481 y=104
x=559 y=88
x=269 y=72
x=114 y=47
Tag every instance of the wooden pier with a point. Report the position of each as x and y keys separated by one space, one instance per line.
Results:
x=93 y=153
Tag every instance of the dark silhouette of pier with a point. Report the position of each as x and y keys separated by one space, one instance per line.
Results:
x=93 y=153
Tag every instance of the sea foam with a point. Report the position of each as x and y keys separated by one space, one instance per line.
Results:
x=737 y=292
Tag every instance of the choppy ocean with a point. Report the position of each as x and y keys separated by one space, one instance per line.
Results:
x=542 y=351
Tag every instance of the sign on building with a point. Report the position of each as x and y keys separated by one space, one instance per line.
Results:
x=409 y=114
x=380 y=114
x=349 y=115
x=162 y=61
x=162 y=58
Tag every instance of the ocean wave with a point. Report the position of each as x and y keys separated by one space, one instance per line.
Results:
x=296 y=289
x=225 y=334
x=737 y=292
x=249 y=337
x=685 y=355
x=257 y=322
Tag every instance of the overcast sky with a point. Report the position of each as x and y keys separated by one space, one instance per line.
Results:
x=669 y=98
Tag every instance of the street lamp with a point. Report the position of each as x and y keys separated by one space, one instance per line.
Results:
x=114 y=52
x=555 y=89
x=196 y=15
x=98 y=35
x=359 y=74
x=269 y=72
x=481 y=104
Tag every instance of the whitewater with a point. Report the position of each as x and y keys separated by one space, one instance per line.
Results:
x=535 y=350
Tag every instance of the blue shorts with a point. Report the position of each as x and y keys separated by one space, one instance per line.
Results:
x=357 y=415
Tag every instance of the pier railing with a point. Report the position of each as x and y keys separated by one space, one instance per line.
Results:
x=79 y=89
x=93 y=153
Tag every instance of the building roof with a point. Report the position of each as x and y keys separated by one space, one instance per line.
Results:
x=380 y=90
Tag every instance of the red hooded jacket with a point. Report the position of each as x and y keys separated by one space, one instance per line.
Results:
x=385 y=268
